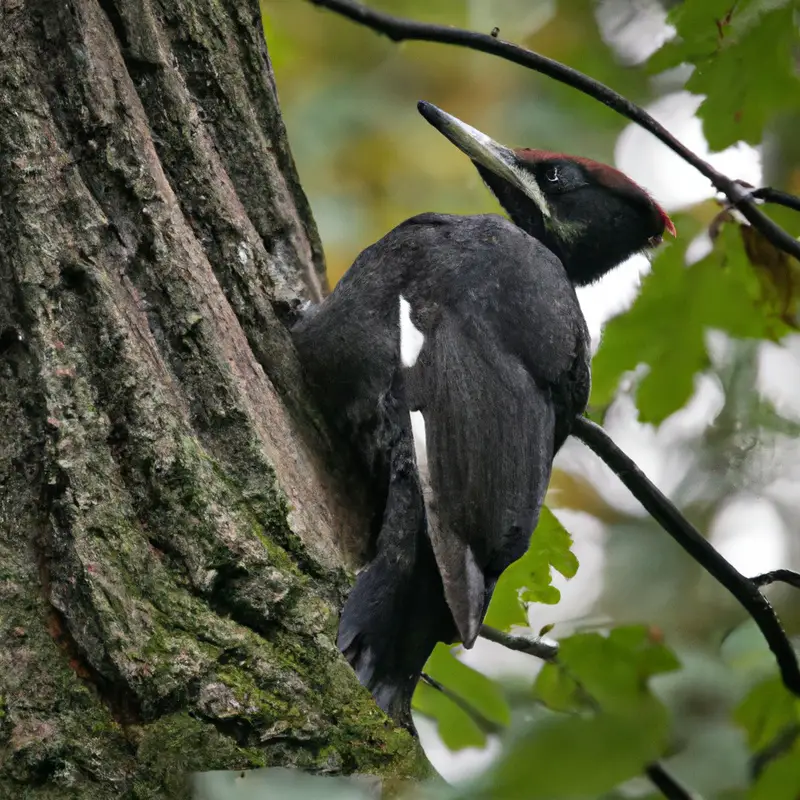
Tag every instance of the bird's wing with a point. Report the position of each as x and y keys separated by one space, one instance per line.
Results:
x=483 y=434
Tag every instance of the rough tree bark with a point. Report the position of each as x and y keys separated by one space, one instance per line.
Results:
x=176 y=525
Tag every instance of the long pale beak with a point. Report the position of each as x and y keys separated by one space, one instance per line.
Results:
x=500 y=160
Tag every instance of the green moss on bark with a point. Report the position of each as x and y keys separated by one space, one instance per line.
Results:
x=169 y=750
x=172 y=542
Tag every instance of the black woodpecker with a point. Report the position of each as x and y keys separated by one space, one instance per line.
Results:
x=455 y=356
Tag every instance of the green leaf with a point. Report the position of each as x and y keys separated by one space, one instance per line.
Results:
x=457 y=728
x=787 y=218
x=780 y=780
x=506 y=609
x=666 y=325
x=701 y=26
x=545 y=629
x=528 y=580
x=767 y=710
x=611 y=670
x=740 y=100
x=585 y=754
x=723 y=40
x=480 y=692
x=746 y=651
x=573 y=756
x=617 y=726
x=557 y=689
x=643 y=644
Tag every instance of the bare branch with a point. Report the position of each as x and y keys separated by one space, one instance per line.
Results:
x=778 y=576
x=669 y=785
x=486 y=725
x=399 y=29
x=776 y=196
x=778 y=747
x=692 y=541
x=531 y=645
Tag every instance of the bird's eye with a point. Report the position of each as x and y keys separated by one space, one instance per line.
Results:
x=552 y=175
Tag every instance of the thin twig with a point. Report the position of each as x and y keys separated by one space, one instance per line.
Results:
x=485 y=724
x=533 y=646
x=399 y=29
x=692 y=541
x=668 y=784
x=778 y=576
x=779 y=746
x=770 y=195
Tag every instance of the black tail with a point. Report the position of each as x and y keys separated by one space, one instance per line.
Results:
x=397 y=612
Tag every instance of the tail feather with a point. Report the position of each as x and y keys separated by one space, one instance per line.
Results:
x=397 y=612
x=390 y=625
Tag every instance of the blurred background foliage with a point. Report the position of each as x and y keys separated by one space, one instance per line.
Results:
x=349 y=100
x=696 y=375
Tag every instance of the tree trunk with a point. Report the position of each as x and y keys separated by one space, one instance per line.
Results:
x=175 y=521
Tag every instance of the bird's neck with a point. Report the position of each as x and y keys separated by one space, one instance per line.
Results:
x=525 y=214
x=535 y=225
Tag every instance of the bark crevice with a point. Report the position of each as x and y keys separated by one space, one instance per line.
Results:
x=176 y=522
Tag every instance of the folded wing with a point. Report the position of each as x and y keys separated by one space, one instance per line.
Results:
x=483 y=436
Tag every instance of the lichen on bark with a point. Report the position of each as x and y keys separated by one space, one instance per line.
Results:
x=177 y=525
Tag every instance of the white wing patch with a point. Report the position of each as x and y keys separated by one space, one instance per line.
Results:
x=411 y=338
x=420 y=445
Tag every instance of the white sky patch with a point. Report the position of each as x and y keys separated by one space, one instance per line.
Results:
x=456 y=767
x=411 y=338
x=634 y=29
x=779 y=375
x=750 y=533
x=698 y=248
x=672 y=182
x=613 y=294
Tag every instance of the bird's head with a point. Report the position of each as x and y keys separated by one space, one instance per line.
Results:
x=591 y=215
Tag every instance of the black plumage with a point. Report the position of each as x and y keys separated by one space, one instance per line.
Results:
x=455 y=355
